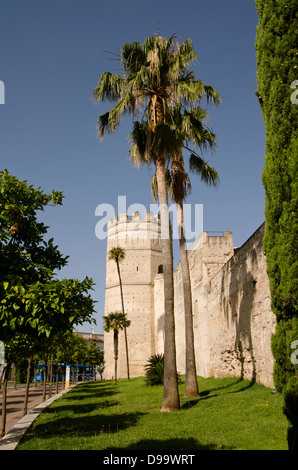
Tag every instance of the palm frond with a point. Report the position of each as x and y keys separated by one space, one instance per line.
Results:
x=109 y=87
x=207 y=173
x=117 y=254
x=115 y=321
x=108 y=122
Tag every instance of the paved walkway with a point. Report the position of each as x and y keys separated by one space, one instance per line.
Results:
x=16 y=425
x=15 y=402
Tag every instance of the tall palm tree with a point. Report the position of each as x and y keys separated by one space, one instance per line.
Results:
x=118 y=254
x=155 y=75
x=189 y=127
x=116 y=322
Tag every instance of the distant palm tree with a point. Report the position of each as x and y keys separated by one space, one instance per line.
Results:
x=118 y=254
x=116 y=322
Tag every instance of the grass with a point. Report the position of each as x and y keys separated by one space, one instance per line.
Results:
x=230 y=414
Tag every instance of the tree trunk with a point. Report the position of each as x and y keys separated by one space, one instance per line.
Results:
x=4 y=396
x=35 y=381
x=125 y=332
x=1 y=378
x=50 y=377
x=73 y=374
x=14 y=376
x=25 y=409
x=170 y=392
x=116 y=351
x=191 y=384
x=44 y=382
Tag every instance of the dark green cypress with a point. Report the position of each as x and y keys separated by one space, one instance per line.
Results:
x=277 y=72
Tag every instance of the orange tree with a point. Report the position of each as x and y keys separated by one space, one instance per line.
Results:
x=34 y=304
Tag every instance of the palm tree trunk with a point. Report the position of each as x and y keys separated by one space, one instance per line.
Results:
x=125 y=332
x=116 y=351
x=170 y=392
x=25 y=409
x=4 y=396
x=191 y=384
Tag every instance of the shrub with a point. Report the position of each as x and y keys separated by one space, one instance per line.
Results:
x=155 y=370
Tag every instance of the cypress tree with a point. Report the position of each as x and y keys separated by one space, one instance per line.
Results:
x=277 y=77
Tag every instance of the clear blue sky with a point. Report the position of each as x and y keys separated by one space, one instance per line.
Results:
x=51 y=55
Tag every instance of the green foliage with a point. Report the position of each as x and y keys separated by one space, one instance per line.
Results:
x=33 y=303
x=117 y=254
x=155 y=370
x=277 y=69
x=115 y=321
x=154 y=73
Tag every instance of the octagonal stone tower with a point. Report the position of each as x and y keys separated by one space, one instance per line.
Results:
x=140 y=238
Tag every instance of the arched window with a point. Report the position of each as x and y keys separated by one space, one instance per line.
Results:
x=160 y=269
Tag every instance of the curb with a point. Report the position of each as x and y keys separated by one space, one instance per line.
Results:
x=13 y=437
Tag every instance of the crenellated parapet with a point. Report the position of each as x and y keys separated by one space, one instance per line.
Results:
x=134 y=230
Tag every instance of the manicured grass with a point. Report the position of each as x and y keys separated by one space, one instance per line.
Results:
x=230 y=414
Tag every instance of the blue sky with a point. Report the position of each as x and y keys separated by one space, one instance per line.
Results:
x=51 y=55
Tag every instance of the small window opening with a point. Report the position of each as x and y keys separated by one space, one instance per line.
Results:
x=160 y=269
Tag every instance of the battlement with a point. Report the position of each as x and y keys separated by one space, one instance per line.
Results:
x=134 y=227
x=135 y=217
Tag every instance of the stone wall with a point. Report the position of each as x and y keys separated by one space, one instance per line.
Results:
x=233 y=321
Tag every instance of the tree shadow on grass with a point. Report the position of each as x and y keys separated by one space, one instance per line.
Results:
x=90 y=390
x=82 y=426
x=79 y=408
x=173 y=445
x=245 y=385
x=80 y=396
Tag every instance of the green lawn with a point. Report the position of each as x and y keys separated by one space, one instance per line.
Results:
x=230 y=414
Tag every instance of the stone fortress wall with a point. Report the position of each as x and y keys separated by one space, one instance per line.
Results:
x=233 y=322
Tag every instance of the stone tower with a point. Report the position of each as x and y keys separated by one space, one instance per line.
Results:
x=140 y=238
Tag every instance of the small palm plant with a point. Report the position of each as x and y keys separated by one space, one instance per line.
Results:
x=155 y=370
x=116 y=322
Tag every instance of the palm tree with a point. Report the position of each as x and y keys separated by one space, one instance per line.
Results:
x=116 y=322
x=188 y=127
x=155 y=75
x=118 y=254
